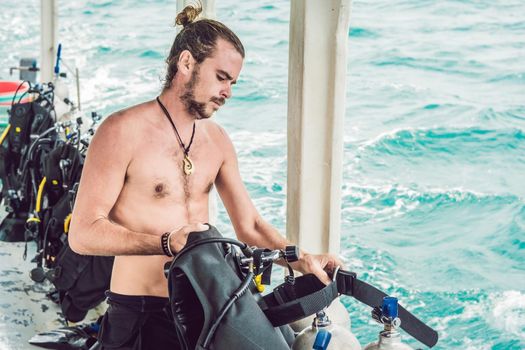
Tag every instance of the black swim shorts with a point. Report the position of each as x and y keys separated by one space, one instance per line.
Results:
x=137 y=323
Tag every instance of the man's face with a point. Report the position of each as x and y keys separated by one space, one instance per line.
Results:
x=211 y=81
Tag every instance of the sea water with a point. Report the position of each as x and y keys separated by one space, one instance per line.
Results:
x=433 y=207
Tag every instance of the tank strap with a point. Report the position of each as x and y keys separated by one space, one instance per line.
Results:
x=291 y=302
x=349 y=284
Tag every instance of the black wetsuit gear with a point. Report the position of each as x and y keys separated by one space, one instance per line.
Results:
x=137 y=322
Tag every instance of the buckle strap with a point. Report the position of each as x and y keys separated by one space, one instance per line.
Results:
x=289 y=303
x=345 y=282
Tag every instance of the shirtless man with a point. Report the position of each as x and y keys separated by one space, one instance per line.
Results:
x=134 y=187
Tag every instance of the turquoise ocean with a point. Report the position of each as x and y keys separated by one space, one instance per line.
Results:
x=433 y=207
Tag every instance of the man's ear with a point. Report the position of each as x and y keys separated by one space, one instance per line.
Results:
x=186 y=62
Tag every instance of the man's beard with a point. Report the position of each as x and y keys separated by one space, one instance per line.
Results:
x=195 y=108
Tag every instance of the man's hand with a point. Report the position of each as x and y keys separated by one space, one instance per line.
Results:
x=178 y=237
x=319 y=265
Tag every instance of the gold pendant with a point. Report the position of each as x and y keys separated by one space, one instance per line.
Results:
x=187 y=165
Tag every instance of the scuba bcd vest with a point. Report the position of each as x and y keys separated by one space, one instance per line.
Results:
x=61 y=171
x=29 y=118
x=200 y=284
x=80 y=280
x=211 y=311
x=25 y=120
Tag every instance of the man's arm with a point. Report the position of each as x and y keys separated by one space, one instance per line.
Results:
x=103 y=175
x=248 y=224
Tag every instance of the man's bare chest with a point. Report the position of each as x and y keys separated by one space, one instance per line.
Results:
x=157 y=169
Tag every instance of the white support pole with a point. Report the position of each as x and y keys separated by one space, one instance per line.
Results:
x=48 y=25
x=208 y=7
x=316 y=107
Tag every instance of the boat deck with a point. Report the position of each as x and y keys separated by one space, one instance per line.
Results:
x=25 y=309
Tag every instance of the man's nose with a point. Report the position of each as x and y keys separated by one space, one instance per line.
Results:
x=226 y=92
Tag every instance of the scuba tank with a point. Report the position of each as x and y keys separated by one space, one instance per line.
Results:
x=62 y=109
x=338 y=315
x=323 y=334
x=389 y=338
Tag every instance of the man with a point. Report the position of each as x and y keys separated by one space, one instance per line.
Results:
x=146 y=180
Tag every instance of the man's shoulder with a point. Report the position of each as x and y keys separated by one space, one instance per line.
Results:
x=215 y=130
x=127 y=120
x=220 y=137
x=133 y=114
x=121 y=130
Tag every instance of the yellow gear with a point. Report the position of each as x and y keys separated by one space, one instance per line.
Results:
x=4 y=134
x=67 y=221
x=258 y=283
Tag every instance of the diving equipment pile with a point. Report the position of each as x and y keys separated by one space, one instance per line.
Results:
x=19 y=162
x=41 y=159
x=42 y=151
x=215 y=287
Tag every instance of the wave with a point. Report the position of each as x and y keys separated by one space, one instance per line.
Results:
x=358 y=32
x=365 y=203
x=513 y=115
x=414 y=142
x=389 y=193
x=503 y=313
x=470 y=319
x=449 y=66
x=509 y=77
x=100 y=4
x=150 y=54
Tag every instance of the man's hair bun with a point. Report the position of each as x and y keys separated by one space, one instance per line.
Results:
x=188 y=15
x=199 y=36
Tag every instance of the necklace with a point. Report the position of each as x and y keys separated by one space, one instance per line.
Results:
x=187 y=164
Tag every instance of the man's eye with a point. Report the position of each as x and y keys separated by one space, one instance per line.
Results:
x=220 y=78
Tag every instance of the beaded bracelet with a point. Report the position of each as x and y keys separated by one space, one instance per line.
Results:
x=169 y=244
x=165 y=244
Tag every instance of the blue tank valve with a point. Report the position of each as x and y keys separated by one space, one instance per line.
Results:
x=389 y=308
x=322 y=339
